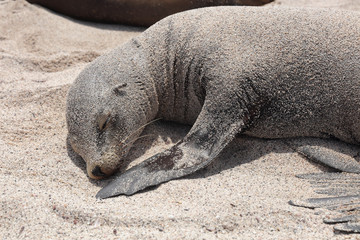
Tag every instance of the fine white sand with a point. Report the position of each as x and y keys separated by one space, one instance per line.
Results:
x=46 y=195
x=353 y=5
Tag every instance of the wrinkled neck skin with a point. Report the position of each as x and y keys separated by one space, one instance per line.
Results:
x=177 y=76
x=171 y=83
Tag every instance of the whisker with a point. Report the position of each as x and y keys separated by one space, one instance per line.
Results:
x=134 y=132
x=146 y=124
x=131 y=142
x=144 y=136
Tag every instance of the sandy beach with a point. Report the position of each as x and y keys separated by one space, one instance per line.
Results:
x=45 y=194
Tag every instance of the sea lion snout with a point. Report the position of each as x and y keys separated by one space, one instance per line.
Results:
x=100 y=165
x=97 y=172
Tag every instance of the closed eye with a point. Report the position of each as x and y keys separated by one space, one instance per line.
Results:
x=104 y=121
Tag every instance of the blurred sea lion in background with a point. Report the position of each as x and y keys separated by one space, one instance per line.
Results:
x=133 y=12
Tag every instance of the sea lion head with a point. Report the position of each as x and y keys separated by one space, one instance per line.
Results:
x=103 y=119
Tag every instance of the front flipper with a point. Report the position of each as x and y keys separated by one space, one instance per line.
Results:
x=215 y=127
x=155 y=170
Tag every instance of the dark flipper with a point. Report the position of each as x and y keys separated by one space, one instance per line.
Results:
x=346 y=189
x=343 y=187
x=343 y=219
x=333 y=203
x=155 y=170
x=212 y=131
x=334 y=184
x=347 y=223
x=349 y=227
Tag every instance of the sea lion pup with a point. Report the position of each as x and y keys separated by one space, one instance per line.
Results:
x=133 y=12
x=264 y=72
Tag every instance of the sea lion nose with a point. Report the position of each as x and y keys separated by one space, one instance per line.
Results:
x=97 y=172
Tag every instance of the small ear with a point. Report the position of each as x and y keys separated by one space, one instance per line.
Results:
x=118 y=90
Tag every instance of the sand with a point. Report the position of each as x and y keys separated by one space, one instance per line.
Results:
x=353 y=5
x=46 y=195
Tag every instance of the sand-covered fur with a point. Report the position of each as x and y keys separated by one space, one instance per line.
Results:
x=265 y=72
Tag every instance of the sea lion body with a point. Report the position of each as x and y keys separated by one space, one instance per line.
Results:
x=301 y=70
x=265 y=72
x=133 y=12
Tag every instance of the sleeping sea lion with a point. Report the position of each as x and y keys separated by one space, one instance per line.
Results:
x=264 y=72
